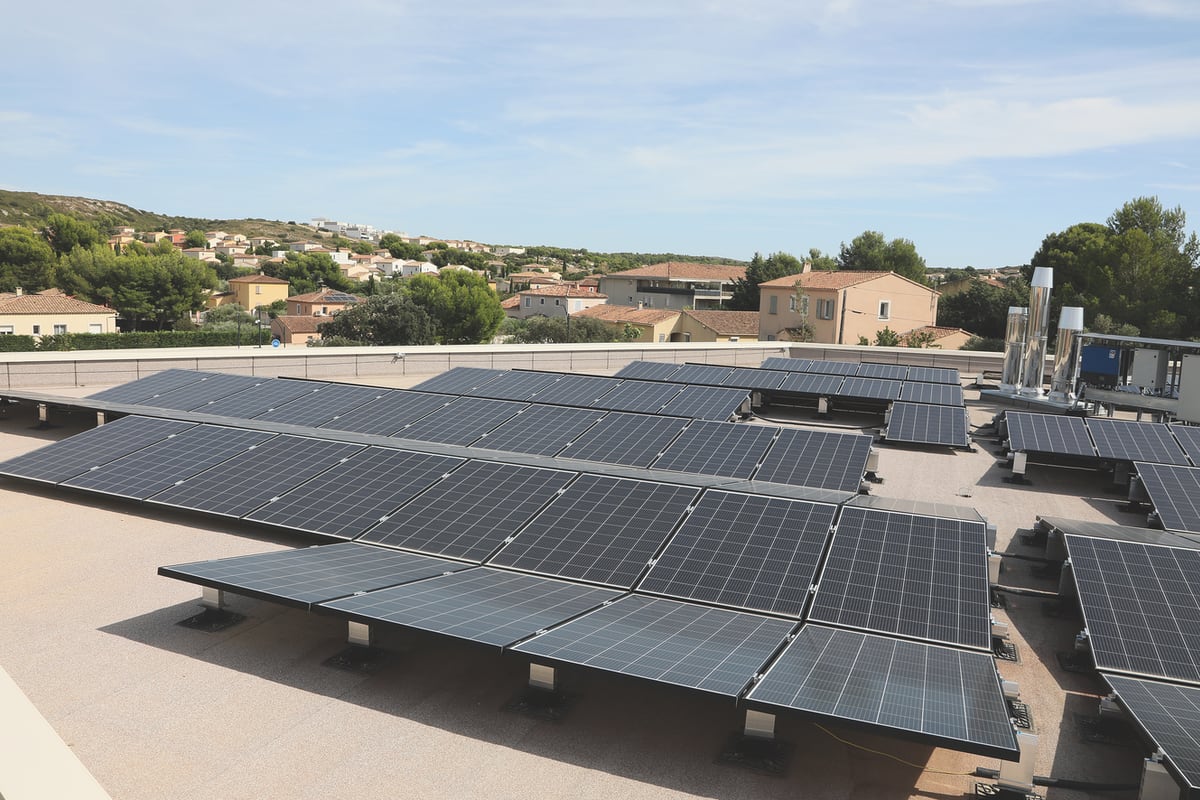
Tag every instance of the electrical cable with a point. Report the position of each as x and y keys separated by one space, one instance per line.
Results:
x=849 y=743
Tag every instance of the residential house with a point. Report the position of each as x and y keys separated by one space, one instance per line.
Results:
x=655 y=324
x=841 y=306
x=556 y=301
x=291 y=329
x=153 y=237
x=961 y=285
x=199 y=253
x=244 y=260
x=716 y=326
x=358 y=272
x=252 y=291
x=673 y=284
x=321 y=303
x=231 y=248
x=121 y=239
x=42 y=314
x=303 y=247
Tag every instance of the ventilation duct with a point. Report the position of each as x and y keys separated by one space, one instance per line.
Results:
x=1014 y=347
x=1066 y=354
x=1039 y=325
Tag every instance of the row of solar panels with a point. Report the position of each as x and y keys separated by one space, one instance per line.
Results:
x=1103 y=438
x=896 y=372
x=1137 y=592
x=820 y=459
x=370 y=408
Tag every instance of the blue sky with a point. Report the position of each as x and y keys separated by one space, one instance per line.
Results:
x=972 y=127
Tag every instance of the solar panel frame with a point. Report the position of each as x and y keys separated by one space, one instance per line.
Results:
x=1175 y=493
x=259 y=399
x=635 y=440
x=648 y=370
x=812 y=384
x=937 y=394
x=869 y=388
x=751 y=378
x=135 y=392
x=717 y=448
x=918 y=423
x=891 y=372
x=1140 y=606
x=821 y=459
x=356 y=493
x=1125 y=440
x=747 y=552
x=907 y=575
x=329 y=401
x=707 y=649
x=449 y=520
x=575 y=390
x=1049 y=433
x=1188 y=437
x=75 y=455
x=462 y=421
x=213 y=386
x=162 y=464
x=945 y=695
x=844 y=368
x=701 y=374
x=600 y=530
x=458 y=380
x=647 y=397
x=389 y=413
x=309 y=576
x=1170 y=716
x=510 y=385
x=707 y=402
x=787 y=364
x=238 y=485
x=540 y=429
x=934 y=375
x=485 y=605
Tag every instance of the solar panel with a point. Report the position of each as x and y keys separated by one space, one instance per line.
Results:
x=1188 y=437
x=461 y=422
x=100 y=445
x=1170 y=716
x=717 y=448
x=1103 y=530
x=600 y=529
x=949 y=696
x=454 y=517
x=891 y=372
x=1135 y=441
x=747 y=378
x=906 y=506
x=355 y=494
x=158 y=383
x=212 y=386
x=703 y=374
x=707 y=402
x=389 y=413
x=311 y=575
x=938 y=394
x=491 y=606
x=633 y=439
x=708 y=649
x=154 y=468
x=575 y=390
x=915 y=576
x=922 y=424
x=458 y=380
x=747 y=551
x=787 y=364
x=513 y=385
x=1140 y=606
x=1175 y=493
x=259 y=399
x=328 y=401
x=809 y=383
x=1048 y=433
x=645 y=396
x=243 y=483
x=934 y=375
x=870 y=388
x=833 y=368
x=648 y=370
x=543 y=430
x=821 y=459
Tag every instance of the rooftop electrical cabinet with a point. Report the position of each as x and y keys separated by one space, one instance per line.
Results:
x=1149 y=369
x=1189 y=389
x=1100 y=365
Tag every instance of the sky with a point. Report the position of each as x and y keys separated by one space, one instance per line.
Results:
x=973 y=128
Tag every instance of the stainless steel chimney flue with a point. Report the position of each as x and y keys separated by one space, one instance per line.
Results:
x=1014 y=348
x=1066 y=355
x=1039 y=325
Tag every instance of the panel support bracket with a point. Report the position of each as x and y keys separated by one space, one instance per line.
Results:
x=358 y=634
x=212 y=598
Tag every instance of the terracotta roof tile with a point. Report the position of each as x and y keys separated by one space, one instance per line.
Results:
x=564 y=291
x=324 y=295
x=641 y=316
x=49 y=304
x=300 y=323
x=684 y=270
x=257 y=279
x=835 y=279
x=732 y=323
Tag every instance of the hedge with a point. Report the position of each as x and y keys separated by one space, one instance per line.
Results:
x=17 y=344
x=143 y=339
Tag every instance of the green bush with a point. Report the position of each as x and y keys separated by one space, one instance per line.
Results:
x=144 y=339
x=17 y=344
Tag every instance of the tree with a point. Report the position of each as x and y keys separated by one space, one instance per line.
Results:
x=551 y=330
x=804 y=332
x=745 y=295
x=821 y=262
x=870 y=251
x=982 y=309
x=887 y=338
x=227 y=316
x=26 y=260
x=401 y=249
x=463 y=306
x=382 y=319
x=306 y=272
x=64 y=233
x=195 y=238
x=918 y=338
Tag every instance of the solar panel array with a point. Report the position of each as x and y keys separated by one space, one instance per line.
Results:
x=1122 y=440
x=144 y=388
x=1175 y=493
x=926 y=424
x=1188 y=437
x=1101 y=438
x=896 y=372
x=1170 y=716
x=816 y=458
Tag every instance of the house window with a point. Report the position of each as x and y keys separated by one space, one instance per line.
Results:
x=770 y=337
x=733 y=338
x=662 y=337
x=324 y=309
x=792 y=303
x=258 y=288
x=541 y=301
x=824 y=309
x=60 y=329
x=773 y=307
x=885 y=309
x=37 y=330
x=95 y=327
x=6 y=330
x=528 y=302
x=803 y=305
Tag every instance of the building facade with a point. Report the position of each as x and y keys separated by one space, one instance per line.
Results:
x=673 y=285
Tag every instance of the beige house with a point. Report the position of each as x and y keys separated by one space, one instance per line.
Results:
x=717 y=326
x=291 y=329
x=673 y=285
x=841 y=306
x=556 y=301
x=326 y=302
x=251 y=291
x=40 y=315
x=656 y=324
